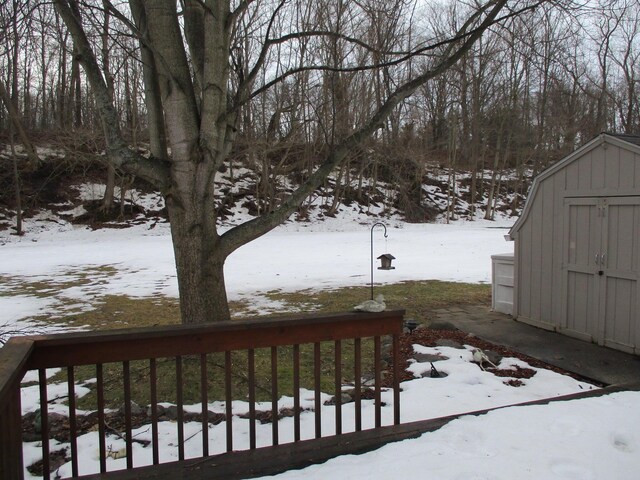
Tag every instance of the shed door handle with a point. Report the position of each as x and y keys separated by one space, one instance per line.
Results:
x=602 y=257
x=597 y=257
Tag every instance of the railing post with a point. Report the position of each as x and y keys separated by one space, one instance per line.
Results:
x=11 y=437
x=13 y=358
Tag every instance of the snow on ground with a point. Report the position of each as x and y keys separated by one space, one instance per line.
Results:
x=587 y=439
x=70 y=267
x=139 y=262
x=19 y=310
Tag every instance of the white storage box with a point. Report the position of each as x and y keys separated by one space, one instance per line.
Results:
x=502 y=283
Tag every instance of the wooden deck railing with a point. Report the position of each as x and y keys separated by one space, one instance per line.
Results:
x=197 y=344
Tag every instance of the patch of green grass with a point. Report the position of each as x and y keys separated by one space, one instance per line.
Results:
x=66 y=308
x=418 y=298
x=118 y=311
x=106 y=312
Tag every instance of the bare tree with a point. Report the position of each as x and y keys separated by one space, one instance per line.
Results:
x=12 y=21
x=627 y=58
x=606 y=27
x=316 y=94
x=192 y=54
x=110 y=185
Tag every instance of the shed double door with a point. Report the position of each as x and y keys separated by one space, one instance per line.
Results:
x=602 y=270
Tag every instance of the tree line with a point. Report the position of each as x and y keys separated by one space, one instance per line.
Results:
x=361 y=91
x=529 y=92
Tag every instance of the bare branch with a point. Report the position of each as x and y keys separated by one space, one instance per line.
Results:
x=245 y=85
x=238 y=236
x=240 y=10
x=154 y=171
x=421 y=51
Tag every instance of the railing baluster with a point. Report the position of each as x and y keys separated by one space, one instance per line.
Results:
x=317 y=386
x=251 y=360
x=180 y=407
x=101 y=422
x=153 y=384
x=377 y=380
x=73 y=433
x=274 y=395
x=44 y=422
x=204 y=401
x=338 y=386
x=296 y=392
x=228 y=400
x=126 y=373
x=396 y=379
x=357 y=356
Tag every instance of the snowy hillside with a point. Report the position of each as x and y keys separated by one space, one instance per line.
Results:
x=65 y=191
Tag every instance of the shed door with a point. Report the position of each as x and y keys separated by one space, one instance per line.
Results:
x=583 y=241
x=620 y=295
x=602 y=265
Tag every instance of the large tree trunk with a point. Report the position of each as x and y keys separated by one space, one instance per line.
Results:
x=199 y=264
x=110 y=189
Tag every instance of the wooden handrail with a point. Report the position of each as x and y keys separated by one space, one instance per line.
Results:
x=85 y=348
x=123 y=346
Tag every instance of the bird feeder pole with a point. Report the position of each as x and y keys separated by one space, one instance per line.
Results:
x=385 y=236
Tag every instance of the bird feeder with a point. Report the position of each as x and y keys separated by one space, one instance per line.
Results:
x=385 y=261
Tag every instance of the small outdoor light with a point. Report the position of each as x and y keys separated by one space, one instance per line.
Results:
x=410 y=324
x=385 y=260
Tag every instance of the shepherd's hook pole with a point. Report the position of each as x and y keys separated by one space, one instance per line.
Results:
x=385 y=236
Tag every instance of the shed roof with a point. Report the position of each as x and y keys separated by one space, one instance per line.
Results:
x=629 y=142
x=635 y=139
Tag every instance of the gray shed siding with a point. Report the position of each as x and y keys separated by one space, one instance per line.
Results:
x=539 y=255
x=605 y=167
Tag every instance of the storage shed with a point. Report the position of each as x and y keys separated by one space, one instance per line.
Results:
x=577 y=245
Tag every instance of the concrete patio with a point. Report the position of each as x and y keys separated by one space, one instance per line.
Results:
x=589 y=360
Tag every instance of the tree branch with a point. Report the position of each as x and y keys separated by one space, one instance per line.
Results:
x=193 y=12
x=155 y=171
x=405 y=56
x=240 y=10
x=238 y=236
x=17 y=123
x=241 y=94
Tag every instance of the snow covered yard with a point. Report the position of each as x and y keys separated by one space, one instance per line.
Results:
x=586 y=439
x=71 y=268
x=594 y=438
